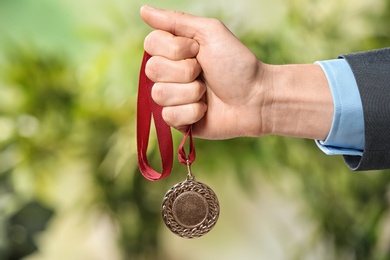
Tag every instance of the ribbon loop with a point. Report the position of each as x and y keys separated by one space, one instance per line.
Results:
x=181 y=153
x=146 y=108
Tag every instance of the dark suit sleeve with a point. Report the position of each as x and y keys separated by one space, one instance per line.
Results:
x=372 y=73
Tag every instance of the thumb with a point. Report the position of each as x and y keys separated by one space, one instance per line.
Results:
x=175 y=22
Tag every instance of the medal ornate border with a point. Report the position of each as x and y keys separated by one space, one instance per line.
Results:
x=213 y=208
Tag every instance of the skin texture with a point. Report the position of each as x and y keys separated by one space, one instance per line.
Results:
x=206 y=77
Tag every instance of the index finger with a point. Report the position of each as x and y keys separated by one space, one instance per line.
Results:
x=162 y=43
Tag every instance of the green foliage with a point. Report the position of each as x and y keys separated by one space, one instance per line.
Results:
x=34 y=134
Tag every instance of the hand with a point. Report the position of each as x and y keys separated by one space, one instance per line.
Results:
x=204 y=76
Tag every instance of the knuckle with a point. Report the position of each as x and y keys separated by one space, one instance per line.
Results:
x=158 y=94
x=175 y=50
x=169 y=116
x=214 y=25
x=194 y=111
x=152 y=69
x=199 y=90
x=148 y=43
x=199 y=111
x=152 y=42
x=176 y=17
x=191 y=70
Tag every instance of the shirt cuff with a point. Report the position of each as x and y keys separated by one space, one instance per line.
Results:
x=346 y=136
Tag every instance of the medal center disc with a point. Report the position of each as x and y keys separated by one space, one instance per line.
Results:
x=190 y=209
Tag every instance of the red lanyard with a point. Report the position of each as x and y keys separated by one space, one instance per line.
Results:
x=146 y=107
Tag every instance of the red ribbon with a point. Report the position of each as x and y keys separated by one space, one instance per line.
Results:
x=146 y=108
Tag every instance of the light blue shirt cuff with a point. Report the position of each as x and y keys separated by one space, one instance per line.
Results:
x=346 y=136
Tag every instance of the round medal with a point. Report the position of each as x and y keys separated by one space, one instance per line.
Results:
x=190 y=208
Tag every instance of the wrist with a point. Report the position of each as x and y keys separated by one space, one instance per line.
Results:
x=302 y=104
x=254 y=116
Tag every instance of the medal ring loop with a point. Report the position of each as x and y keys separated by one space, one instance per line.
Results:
x=190 y=175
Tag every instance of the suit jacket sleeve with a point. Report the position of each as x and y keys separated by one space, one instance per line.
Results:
x=372 y=73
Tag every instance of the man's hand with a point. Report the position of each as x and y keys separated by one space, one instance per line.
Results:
x=206 y=77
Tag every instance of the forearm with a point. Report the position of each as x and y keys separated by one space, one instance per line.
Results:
x=302 y=104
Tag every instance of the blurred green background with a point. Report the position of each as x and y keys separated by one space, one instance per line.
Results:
x=69 y=184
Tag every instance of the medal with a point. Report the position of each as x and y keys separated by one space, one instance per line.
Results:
x=190 y=208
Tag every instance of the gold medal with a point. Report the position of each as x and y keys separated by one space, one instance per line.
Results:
x=190 y=208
